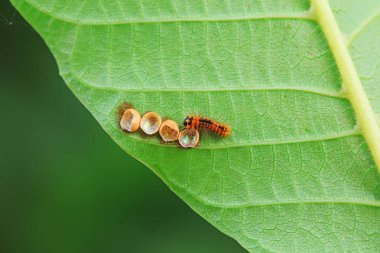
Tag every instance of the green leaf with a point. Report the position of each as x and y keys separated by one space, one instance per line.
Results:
x=299 y=88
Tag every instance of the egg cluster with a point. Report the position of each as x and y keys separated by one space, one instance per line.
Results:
x=150 y=123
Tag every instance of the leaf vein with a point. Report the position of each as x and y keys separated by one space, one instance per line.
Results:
x=299 y=15
x=353 y=132
x=351 y=37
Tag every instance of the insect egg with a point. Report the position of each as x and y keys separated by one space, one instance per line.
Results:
x=169 y=130
x=188 y=138
x=130 y=120
x=150 y=122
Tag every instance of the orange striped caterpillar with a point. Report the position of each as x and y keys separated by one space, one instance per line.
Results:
x=196 y=121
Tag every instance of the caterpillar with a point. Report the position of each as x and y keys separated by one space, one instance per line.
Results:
x=196 y=121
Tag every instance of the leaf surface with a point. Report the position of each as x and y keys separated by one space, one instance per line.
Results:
x=297 y=173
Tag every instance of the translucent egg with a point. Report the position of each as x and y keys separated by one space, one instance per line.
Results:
x=188 y=138
x=150 y=123
x=130 y=120
x=169 y=130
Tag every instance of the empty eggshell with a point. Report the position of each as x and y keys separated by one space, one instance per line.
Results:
x=130 y=120
x=169 y=130
x=188 y=138
x=150 y=122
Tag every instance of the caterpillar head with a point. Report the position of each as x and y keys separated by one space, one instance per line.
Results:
x=188 y=122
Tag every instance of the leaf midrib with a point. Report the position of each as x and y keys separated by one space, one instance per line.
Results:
x=352 y=84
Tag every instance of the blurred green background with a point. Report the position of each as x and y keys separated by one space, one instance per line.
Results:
x=64 y=185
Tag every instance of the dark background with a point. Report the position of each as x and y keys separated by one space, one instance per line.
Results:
x=64 y=185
